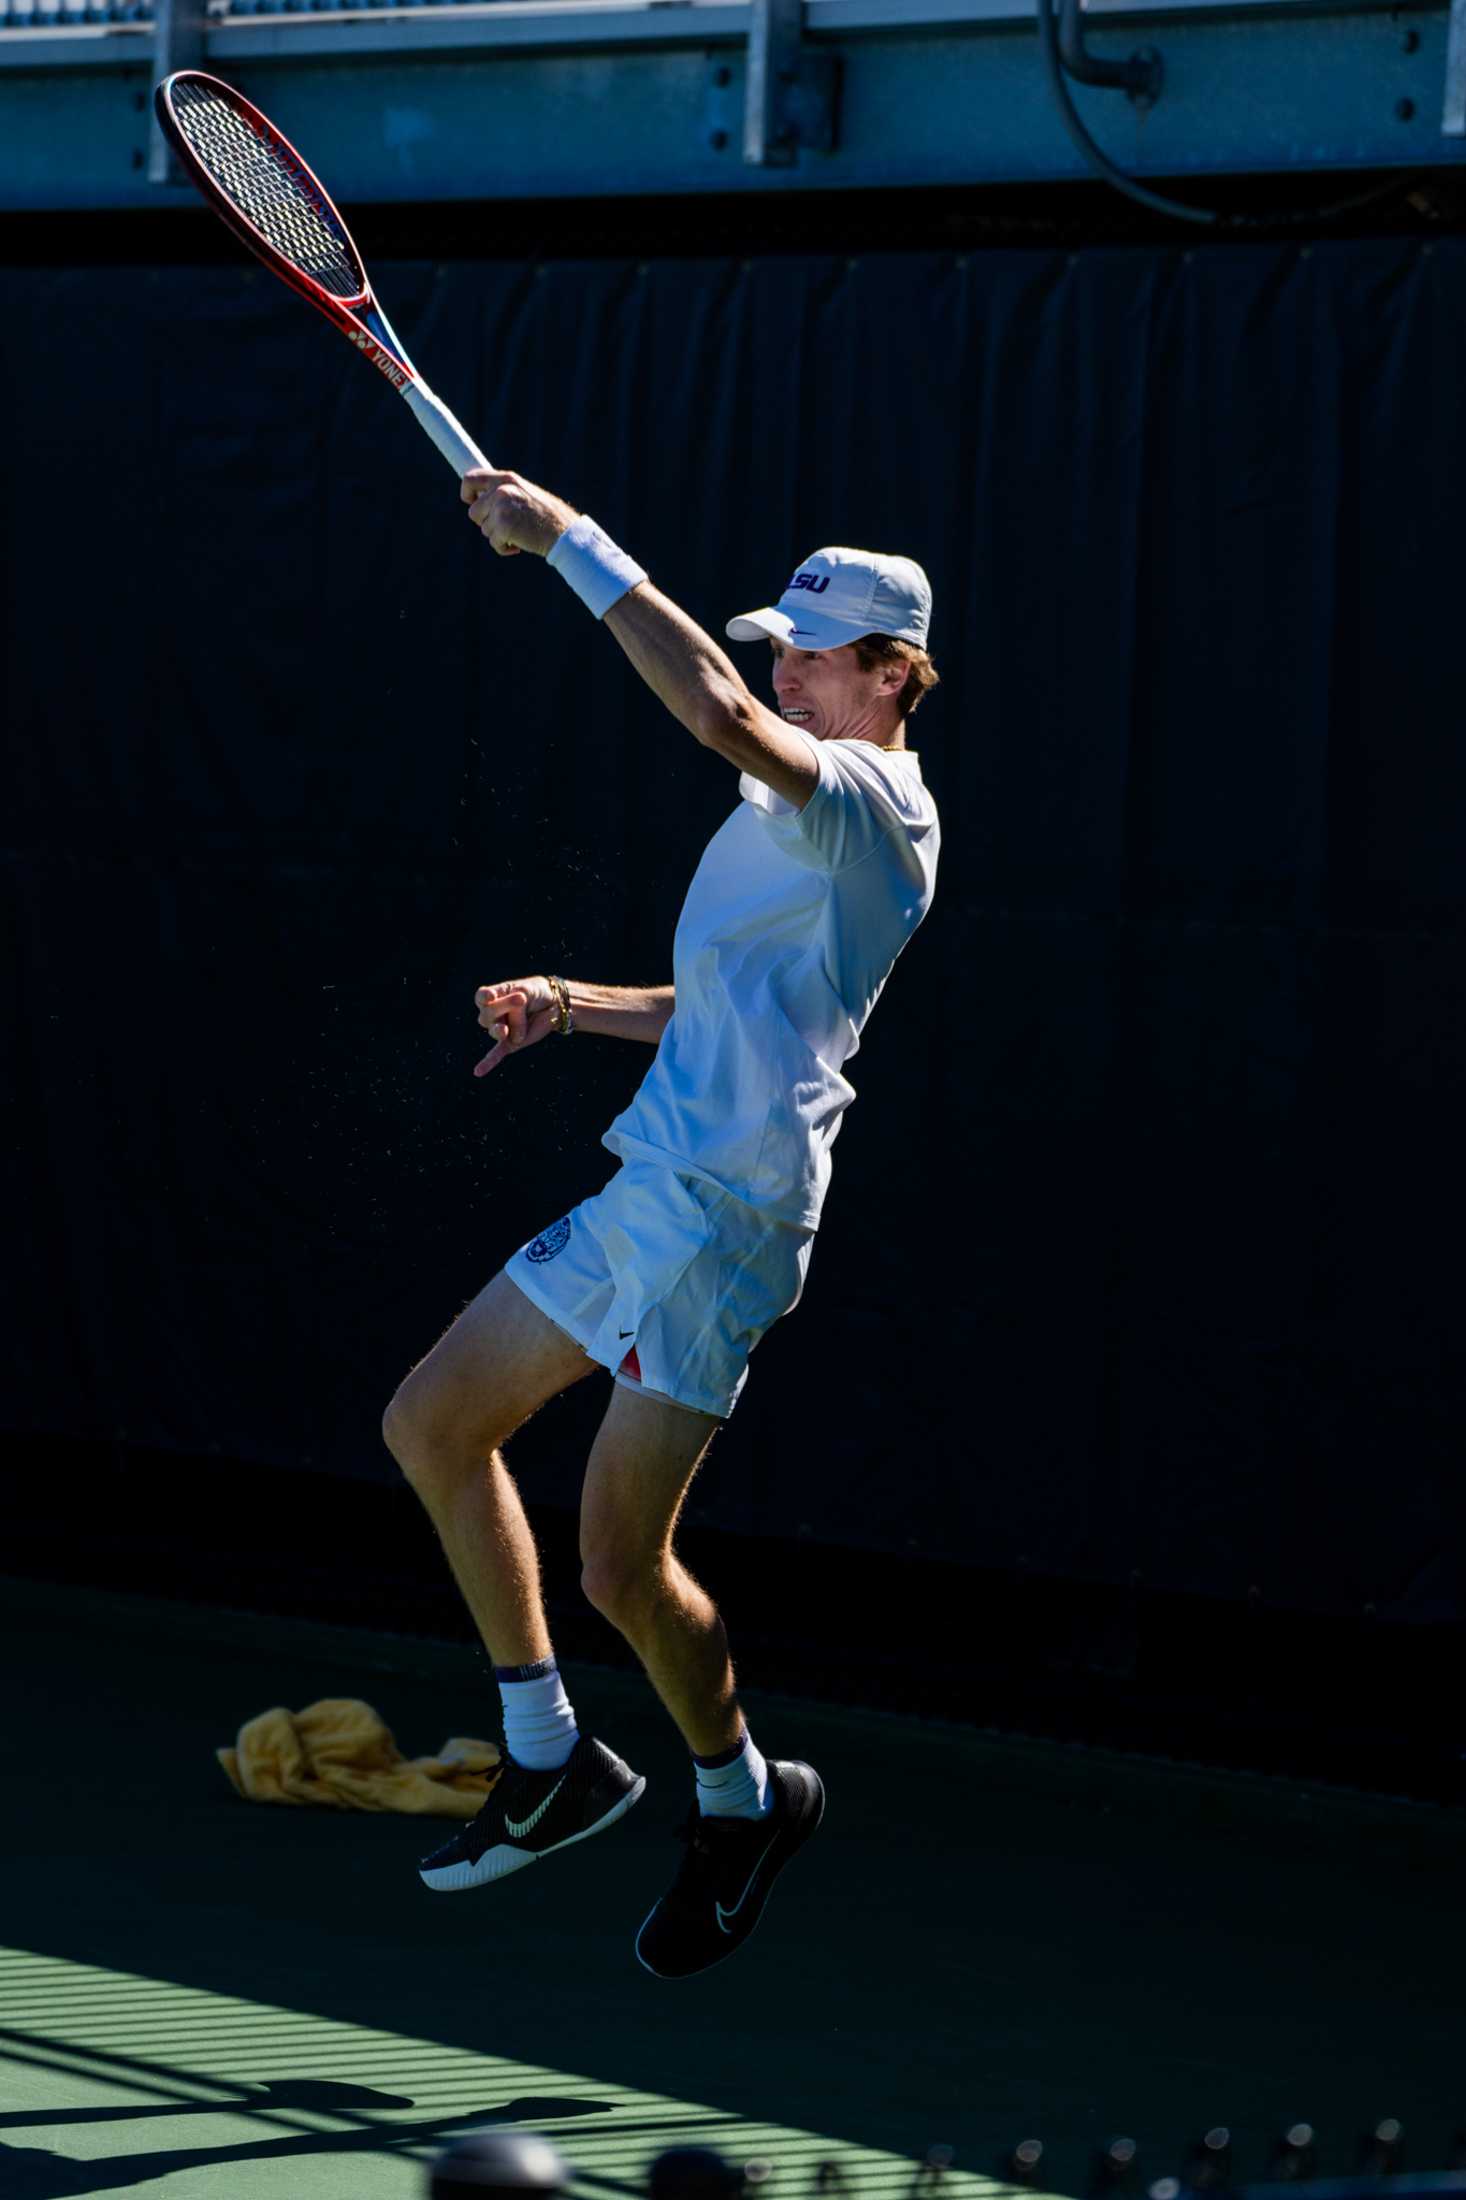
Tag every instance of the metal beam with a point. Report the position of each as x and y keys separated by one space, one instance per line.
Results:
x=788 y=90
x=572 y=99
x=86 y=46
x=1453 y=115
x=469 y=26
x=178 y=43
x=774 y=30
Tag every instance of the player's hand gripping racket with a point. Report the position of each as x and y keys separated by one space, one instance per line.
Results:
x=257 y=182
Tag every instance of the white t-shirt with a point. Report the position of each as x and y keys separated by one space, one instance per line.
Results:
x=788 y=933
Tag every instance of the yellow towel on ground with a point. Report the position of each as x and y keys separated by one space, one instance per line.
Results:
x=339 y=1752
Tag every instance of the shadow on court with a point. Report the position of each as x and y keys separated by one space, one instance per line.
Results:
x=33 y=2173
x=991 y=1939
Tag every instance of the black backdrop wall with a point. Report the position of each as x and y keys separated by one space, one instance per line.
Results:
x=1140 y=1254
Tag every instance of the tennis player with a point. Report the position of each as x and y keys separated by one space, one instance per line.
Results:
x=669 y=1277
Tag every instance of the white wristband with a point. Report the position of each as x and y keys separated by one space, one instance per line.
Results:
x=599 y=572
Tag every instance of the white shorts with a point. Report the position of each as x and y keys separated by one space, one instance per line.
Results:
x=668 y=1281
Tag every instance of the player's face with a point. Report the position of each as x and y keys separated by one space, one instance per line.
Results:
x=827 y=693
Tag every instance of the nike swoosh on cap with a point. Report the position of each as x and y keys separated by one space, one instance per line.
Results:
x=724 y=1915
x=529 y=1824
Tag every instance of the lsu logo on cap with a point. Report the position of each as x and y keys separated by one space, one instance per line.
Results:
x=816 y=583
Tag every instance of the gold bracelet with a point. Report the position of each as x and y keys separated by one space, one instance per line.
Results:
x=564 y=1022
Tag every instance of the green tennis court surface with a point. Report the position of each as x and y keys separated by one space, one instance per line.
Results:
x=126 y=2082
x=990 y=1939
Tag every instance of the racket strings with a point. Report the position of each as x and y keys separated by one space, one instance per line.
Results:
x=262 y=180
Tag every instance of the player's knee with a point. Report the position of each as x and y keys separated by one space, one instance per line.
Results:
x=439 y=1436
x=401 y=1432
x=414 y=1431
x=623 y=1584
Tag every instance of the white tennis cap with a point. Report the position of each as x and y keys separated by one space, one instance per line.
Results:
x=837 y=596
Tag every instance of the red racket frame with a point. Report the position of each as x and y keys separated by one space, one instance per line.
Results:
x=359 y=317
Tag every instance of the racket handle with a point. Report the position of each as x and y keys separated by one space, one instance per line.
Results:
x=435 y=420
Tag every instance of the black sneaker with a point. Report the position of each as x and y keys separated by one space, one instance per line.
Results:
x=724 y=1879
x=528 y=1814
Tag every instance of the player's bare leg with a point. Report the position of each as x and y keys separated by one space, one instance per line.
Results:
x=751 y=1816
x=500 y=1361
x=642 y=1463
x=498 y=1364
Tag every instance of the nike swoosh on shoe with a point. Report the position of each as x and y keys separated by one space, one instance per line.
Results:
x=517 y=1830
x=724 y=1915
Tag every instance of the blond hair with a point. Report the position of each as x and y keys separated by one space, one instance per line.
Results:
x=884 y=649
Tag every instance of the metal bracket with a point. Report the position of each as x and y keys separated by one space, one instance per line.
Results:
x=1453 y=115
x=1140 y=78
x=178 y=43
x=789 y=91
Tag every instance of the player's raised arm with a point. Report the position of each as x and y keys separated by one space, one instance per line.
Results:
x=681 y=664
x=700 y=685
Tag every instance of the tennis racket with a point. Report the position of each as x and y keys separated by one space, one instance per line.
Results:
x=257 y=182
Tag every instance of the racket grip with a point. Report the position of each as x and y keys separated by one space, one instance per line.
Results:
x=436 y=422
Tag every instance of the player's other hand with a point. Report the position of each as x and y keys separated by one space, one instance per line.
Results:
x=512 y=514
x=518 y=1012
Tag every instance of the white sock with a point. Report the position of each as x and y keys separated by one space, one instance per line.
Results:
x=539 y=1725
x=734 y=1784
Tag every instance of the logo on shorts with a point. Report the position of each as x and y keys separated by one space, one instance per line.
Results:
x=549 y=1242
